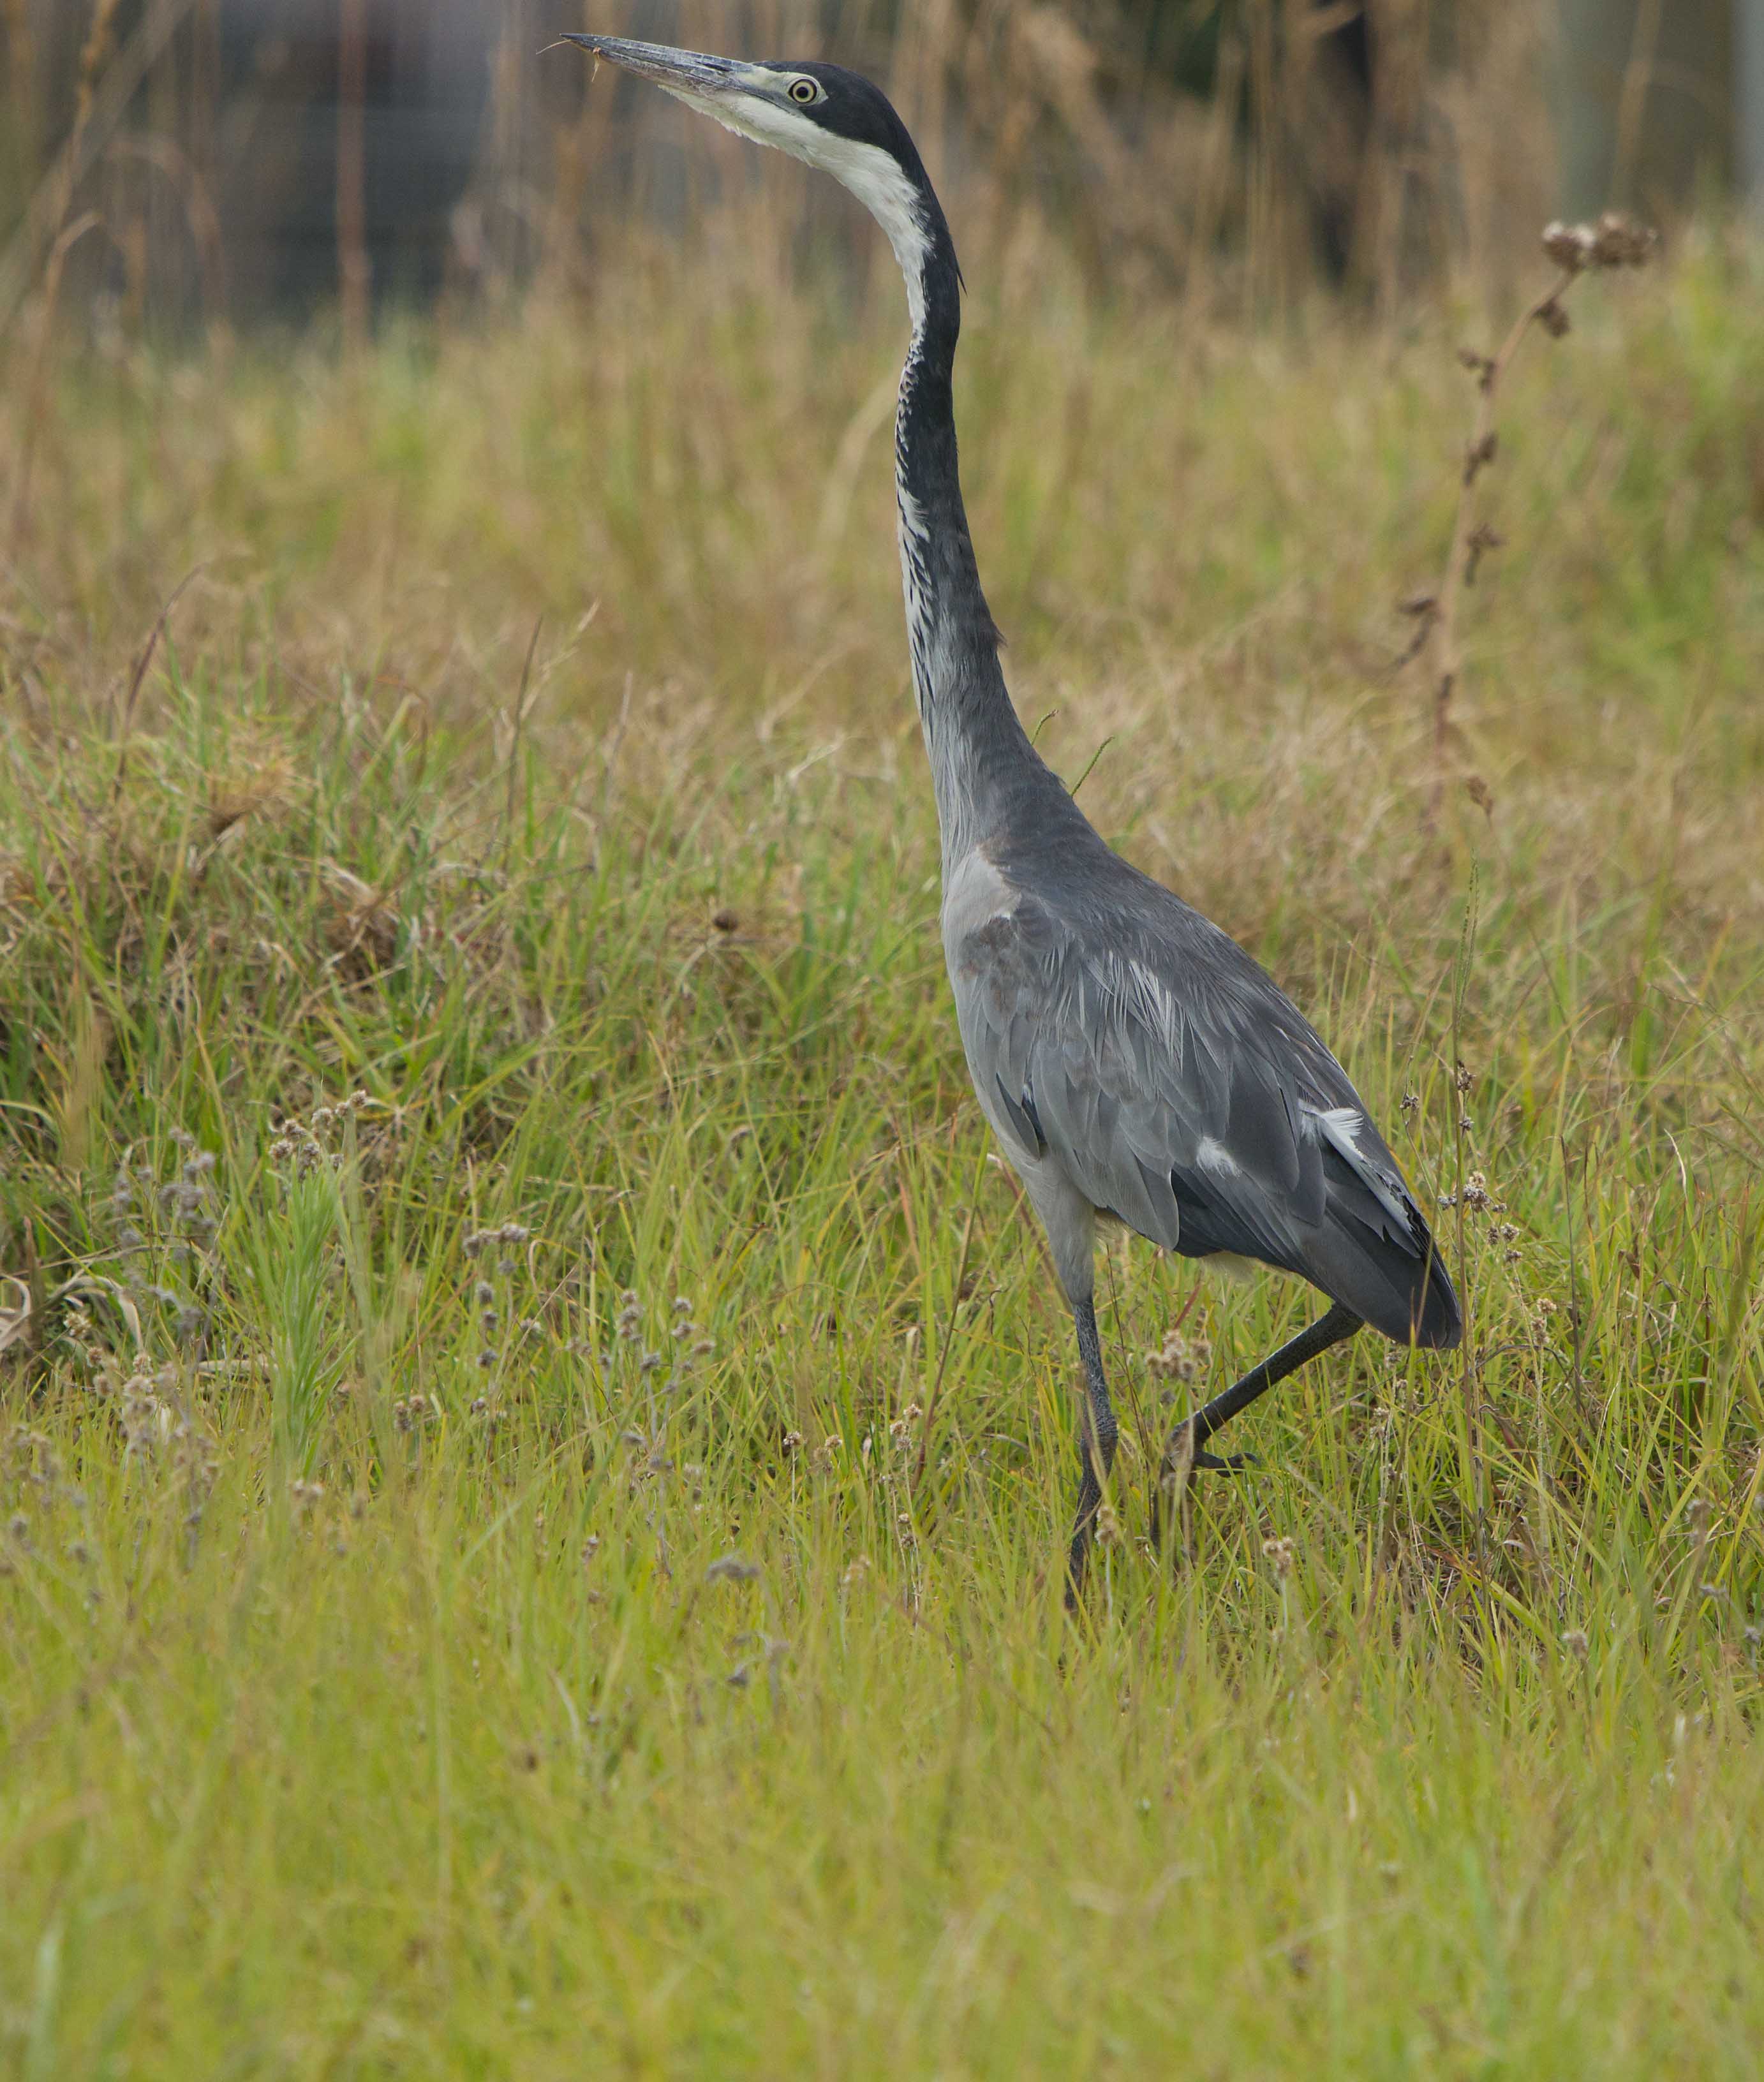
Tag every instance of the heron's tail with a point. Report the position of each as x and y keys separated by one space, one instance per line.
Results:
x=1438 y=1322
x=1401 y=1289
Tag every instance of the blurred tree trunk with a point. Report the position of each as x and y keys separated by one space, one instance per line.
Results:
x=1748 y=115
x=1645 y=100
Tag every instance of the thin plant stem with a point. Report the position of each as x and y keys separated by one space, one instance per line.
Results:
x=1445 y=657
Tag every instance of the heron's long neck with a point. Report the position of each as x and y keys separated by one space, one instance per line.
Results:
x=981 y=759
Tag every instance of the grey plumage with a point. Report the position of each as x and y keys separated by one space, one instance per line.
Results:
x=1133 y=1060
x=1120 y=1041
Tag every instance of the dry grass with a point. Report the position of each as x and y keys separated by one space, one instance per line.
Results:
x=403 y=1673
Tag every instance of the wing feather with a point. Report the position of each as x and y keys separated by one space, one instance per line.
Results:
x=1177 y=1088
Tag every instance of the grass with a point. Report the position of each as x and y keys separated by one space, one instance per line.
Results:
x=537 y=1465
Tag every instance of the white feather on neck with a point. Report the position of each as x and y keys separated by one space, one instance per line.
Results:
x=872 y=175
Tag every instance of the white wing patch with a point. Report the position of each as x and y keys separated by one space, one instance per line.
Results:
x=1340 y=1127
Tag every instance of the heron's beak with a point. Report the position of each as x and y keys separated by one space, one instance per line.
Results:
x=693 y=75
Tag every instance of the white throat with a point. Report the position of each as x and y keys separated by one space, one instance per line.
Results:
x=870 y=174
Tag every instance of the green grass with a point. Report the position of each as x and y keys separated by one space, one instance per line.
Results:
x=372 y=1698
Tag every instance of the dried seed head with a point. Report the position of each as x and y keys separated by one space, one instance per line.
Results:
x=1619 y=241
x=1180 y=1358
x=901 y=1430
x=1569 y=246
x=1575 y=1641
x=1280 y=1553
x=1615 y=241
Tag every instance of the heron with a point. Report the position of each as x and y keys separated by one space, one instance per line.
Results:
x=1135 y=1063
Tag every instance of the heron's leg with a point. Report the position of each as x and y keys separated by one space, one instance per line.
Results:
x=1194 y=1431
x=1097 y=1432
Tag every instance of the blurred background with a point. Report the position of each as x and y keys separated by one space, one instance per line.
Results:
x=168 y=165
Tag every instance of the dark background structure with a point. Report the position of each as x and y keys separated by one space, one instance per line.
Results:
x=253 y=158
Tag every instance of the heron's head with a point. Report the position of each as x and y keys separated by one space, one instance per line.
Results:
x=833 y=119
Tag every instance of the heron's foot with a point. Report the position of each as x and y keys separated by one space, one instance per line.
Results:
x=1181 y=1456
x=1173 y=1475
x=1224 y=1463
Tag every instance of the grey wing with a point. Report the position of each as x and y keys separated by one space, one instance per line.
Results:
x=1178 y=1088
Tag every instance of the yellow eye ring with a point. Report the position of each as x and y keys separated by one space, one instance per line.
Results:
x=804 y=91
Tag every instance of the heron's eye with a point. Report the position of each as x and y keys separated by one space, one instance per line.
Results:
x=805 y=90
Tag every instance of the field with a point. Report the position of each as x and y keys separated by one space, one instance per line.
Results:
x=537 y=1440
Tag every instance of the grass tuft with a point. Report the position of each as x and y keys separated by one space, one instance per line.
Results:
x=537 y=1440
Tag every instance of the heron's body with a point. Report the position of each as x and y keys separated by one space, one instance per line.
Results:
x=1133 y=1060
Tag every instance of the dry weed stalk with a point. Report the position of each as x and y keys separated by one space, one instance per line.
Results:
x=1615 y=241
x=93 y=55
x=353 y=272
x=21 y=55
